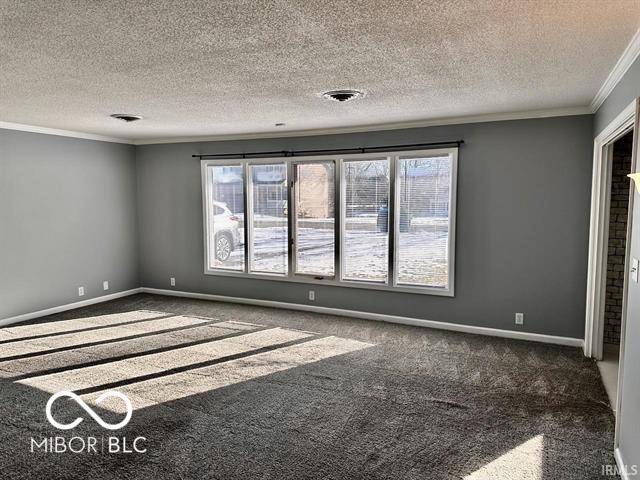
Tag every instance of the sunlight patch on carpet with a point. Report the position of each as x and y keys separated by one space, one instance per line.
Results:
x=524 y=462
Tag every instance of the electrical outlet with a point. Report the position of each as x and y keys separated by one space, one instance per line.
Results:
x=105 y=285
x=519 y=318
x=312 y=295
x=172 y=280
x=81 y=291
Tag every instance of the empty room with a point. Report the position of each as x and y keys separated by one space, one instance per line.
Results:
x=319 y=240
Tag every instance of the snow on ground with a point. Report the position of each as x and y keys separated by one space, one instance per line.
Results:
x=422 y=257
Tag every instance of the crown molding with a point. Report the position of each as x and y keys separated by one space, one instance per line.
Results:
x=629 y=55
x=61 y=133
x=491 y=117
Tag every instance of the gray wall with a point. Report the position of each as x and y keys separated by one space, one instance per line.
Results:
x=67 y=218
x=622 y=95
x=629 y=415
x=522 y=224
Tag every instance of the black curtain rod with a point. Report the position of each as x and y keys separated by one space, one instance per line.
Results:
x=303 y=153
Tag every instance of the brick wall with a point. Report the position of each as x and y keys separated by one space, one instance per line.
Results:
x=617 y=234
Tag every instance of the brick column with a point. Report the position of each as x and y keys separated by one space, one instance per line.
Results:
x=617 y=238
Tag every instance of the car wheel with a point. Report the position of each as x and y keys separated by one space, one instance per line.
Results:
x=223 y=247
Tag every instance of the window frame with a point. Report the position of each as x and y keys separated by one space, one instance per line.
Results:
x=206 y=194
x=451 y=224
x=249 y=186
x=293 y=215
x=343 y=217
x=337 y=280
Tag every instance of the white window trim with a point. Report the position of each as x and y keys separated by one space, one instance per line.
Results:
x=248 y=207
x=292 y=208
x=337 y=281
x=343 y=217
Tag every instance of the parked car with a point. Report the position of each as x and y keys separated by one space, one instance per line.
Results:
x=225 y=231
x=383 y=220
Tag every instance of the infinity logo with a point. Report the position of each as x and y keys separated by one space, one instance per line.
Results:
x=94 y=415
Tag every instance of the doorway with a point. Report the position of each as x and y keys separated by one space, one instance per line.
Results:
x=611 y=207
x=619 y=188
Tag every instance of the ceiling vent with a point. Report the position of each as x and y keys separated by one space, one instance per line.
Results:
x=125 y=117
x=342 y=95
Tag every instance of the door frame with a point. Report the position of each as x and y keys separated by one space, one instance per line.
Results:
x=599 y=230
x=627 y=271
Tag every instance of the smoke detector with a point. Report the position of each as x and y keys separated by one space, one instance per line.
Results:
x=125 y=117
x=342 y=95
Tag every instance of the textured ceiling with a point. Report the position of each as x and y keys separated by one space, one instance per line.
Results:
x=236 y=67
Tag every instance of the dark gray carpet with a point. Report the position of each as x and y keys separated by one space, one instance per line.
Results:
x=410 y=404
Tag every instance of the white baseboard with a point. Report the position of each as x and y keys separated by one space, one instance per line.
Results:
x=622 y=467
x=494 y=332
x=69 y=306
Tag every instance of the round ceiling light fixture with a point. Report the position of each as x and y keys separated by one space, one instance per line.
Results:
x=126 y=117
x=343 y=95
